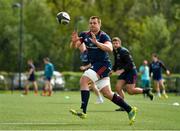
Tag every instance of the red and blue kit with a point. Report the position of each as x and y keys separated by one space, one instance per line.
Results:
x=98 y=58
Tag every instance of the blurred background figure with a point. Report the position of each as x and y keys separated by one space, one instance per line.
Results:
x=31 y=78
x=145 y=78
x=126 y=70
x=48 y=73
x=156 y=67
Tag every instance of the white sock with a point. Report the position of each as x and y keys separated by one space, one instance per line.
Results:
x=164 y=92
x=159 y=94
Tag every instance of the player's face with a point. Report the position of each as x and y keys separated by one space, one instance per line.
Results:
x=154 y=58
x=29 y=62
x=45 y=62
x=94 y=25
x=116 y=44
x=145 y=62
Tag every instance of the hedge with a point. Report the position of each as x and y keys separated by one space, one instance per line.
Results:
x=172 y=82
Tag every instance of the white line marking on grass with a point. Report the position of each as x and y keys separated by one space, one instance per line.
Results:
x=153 y=102
x=31 y=123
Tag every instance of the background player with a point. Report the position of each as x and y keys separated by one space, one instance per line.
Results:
x=156 y=67
x=31 y=78
x=145 y=78
x=124 y=66
x=48 y=74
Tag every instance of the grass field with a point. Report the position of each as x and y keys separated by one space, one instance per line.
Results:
x=18 y=112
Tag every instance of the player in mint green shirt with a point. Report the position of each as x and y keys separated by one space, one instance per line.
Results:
x=48 y=73
x=144 y=70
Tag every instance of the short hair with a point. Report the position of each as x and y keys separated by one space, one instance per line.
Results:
x=155 y=55
x=46 y=59
x=116 y=39
x=30 y=60
x=96 y=17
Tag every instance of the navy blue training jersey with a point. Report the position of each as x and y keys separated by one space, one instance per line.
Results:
x=94 y=53
x=32 y=75
x=156 y=69
x=123 y=60
x=98 y=58
x=31 y=66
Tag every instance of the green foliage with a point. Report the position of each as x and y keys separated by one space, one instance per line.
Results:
x=144 y=26
x=72 y=81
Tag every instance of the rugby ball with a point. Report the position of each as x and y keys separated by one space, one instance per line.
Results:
x=63 y=18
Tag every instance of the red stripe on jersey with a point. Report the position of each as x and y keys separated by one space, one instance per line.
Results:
x=81 y=40
x=101 y=70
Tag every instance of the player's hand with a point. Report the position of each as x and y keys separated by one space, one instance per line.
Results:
x=110 y=73
x=93 y=39
x=82 y=68
x=119 y=72
x=74 y=37
x=168 y=72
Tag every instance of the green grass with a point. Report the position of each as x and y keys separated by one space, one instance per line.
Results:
x=31 y=112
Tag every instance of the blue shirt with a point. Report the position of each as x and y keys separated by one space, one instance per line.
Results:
x=49 y=69
x=95 y=54
x=144 y=72
x=156 y=69
x=123 y=60
x=31 y=66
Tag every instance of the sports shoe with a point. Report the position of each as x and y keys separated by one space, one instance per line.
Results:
x=132 y=115
x=150 y=94
x=36 y=94
x=99 y=101
x=44 y=93
x=24 y=93
x=165 y=95
x=80 y=114
x=120 y=109
x=159 y=96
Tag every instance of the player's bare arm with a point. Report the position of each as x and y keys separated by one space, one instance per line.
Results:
x=119 y=72
x=107 y=46
x=83 y=68
x=75 y=40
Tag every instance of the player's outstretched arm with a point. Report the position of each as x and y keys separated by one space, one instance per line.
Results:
x=106 y=46
x=75 y=40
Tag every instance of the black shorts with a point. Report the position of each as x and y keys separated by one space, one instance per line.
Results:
x=31 y=78
x=48 y=78
x=130 y=77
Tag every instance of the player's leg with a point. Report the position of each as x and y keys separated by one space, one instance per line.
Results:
x=131 y=89
x=85 y=93
x=131 y=79
x=119 y=87
x=35 y=87
x=161 y=83
x=98 y=94
x=46 y=86
x=26 y=88
x=49 y=88
x=143 y=85
x=89 y=75
x=104 y=87
x=156 y=83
